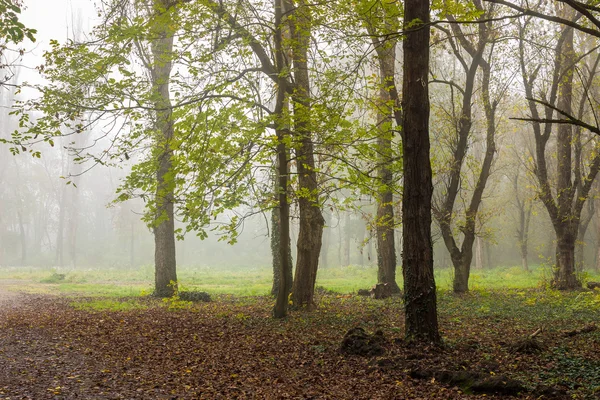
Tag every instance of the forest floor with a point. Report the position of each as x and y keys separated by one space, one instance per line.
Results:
x=65 y=347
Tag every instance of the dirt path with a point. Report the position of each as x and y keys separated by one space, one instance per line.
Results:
x=8 y=293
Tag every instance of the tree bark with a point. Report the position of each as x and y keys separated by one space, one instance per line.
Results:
x=311 y=219
x=581 y=231
x=276 y=237
x=324 y=256
x=164 y=229
x=283 y=209
x=417 y=264
x=385 y=222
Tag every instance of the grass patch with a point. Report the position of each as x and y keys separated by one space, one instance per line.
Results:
x=252 y=281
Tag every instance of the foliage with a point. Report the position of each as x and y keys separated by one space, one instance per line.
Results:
x=11 y=29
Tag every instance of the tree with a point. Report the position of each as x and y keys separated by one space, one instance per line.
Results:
x=163 y=30
x=282 y=255
x=445 y=210
x=565 y=201
x=382 y=20
x=417 y=263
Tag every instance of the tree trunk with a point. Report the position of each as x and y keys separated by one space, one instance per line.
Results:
x=311 y=219
x=462 y=254
x=417 y=264
x=324 y=256
x=276 y=246
x=580 y=242
x=346 y=261
x=597 y=264
x=285 y=256
x=132 y=246
x=461 y=260
x=283 y=217
x=384 y=224
x=60 y=232
x=564 y=273
x=360 y=239
x=23 y=237
x=524 y=255
x=478 y=253
x=164 y=229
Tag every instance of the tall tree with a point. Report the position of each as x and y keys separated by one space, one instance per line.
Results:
x=311 y=218
x=420 y=305
x=445 y=210
x=381 y=20
x=163 y=29
x=564 y=201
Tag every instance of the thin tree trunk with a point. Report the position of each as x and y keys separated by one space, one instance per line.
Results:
x=132 y=246
x=324 y=256
x=282 y=219
x=360 y=238
x=346 y=239
x=478 y=253
x=60 y=233
x=23 y=237
x=580 y=242
x=164 y=229
x=597 y=265
x=384 y=224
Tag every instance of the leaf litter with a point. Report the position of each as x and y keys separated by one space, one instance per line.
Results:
x=232 y=348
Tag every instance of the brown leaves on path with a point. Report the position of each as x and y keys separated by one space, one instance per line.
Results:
x=227 y=349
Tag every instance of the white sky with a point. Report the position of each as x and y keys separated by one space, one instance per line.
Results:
x=53 y=19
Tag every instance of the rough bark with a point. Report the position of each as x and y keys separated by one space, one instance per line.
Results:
x=417 y=264
x=164 y=228
x=311 y=219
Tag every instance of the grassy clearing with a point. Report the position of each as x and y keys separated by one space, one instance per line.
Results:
x=246 y=282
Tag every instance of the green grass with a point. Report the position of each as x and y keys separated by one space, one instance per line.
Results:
x=247 y=282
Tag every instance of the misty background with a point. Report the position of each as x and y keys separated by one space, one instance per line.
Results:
x=58 y=214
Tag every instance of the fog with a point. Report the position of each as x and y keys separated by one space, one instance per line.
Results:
x=56 y=213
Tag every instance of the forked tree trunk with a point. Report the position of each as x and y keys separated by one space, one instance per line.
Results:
x=462 y=253
x=164 y=230
x=420 y=306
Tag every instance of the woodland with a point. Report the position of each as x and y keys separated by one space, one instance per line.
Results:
x=437 y=160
